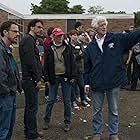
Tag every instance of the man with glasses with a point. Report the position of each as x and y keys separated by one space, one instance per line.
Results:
x=9 y=79
x=31 y=77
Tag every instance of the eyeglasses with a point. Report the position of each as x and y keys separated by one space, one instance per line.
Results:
x=15 y=31
x=40 y=27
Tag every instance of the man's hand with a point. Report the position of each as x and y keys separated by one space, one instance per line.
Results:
x=72 y=80
x=38 y=85
x=127 y=62
x=47 y=83
x=18 y=92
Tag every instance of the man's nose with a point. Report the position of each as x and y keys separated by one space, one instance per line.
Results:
x=41 y=29
x=18 y=34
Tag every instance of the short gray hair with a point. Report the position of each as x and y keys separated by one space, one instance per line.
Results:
x=95 y=21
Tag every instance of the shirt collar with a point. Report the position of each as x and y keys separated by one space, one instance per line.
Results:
x=96 y=37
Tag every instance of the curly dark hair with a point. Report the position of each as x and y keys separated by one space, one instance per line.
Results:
x=32 y=23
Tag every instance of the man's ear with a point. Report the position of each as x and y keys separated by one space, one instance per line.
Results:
x=5 y=32
x=31 y=28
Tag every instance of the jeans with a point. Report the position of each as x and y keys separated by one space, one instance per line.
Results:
x=7 y=116
x=31 y=108
x=73 y=92
x=135 y=74
x=46 y=90
x=129 y=72
x=80 y=83
x=66 y=91
x=98 y=100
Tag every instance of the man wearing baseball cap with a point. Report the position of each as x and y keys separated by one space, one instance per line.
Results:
x=57 y=32
x=59 y=68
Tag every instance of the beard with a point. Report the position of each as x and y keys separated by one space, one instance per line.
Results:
x=14 y=40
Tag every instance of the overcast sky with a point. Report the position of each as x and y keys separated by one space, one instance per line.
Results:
x=130 y=6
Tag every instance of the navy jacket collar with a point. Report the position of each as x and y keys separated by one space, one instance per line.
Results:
x=108 y=37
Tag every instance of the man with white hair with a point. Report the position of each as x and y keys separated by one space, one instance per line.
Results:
x=105 y=73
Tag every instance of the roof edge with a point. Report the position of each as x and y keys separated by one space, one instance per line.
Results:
x=11 y=11
x=78 y=16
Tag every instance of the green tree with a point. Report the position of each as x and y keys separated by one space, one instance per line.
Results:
x=77 y=9
x=95 y=9
x=51 y=7
x=137 y=19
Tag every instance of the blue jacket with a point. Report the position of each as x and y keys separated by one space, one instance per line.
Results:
x=8 y=79
x=105 y=70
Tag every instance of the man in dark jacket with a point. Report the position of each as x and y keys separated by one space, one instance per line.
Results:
x=136 y=67
x=105 y=72
x=8 y=79
x=59 y=68
x=31 y=76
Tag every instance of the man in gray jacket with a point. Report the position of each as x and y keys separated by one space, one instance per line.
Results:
x=8 y=79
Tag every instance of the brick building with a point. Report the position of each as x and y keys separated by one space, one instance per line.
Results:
x=117 y=22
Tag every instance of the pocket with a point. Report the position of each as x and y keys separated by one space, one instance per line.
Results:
x=113 y=52
x=7 y=103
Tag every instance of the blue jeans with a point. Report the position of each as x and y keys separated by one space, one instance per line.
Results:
x=7 y=116
x=98 y=100
x=73 y=91
x=66 y=90
x=31 y=108
x=80 y=83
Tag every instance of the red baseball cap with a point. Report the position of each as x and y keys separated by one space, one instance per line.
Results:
x=57 y=31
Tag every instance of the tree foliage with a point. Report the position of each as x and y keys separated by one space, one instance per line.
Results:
x=95 y=9
x=56 y=7
x=77 y=9
x=137 y=19
x=61 y=7
x=51 y=7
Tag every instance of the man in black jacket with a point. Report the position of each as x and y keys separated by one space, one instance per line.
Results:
x=31 y=76
x=8 y=79
x=59 y=67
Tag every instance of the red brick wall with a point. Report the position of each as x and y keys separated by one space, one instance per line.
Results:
x=119 y=24
x=113 y=24
x=50 y=22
